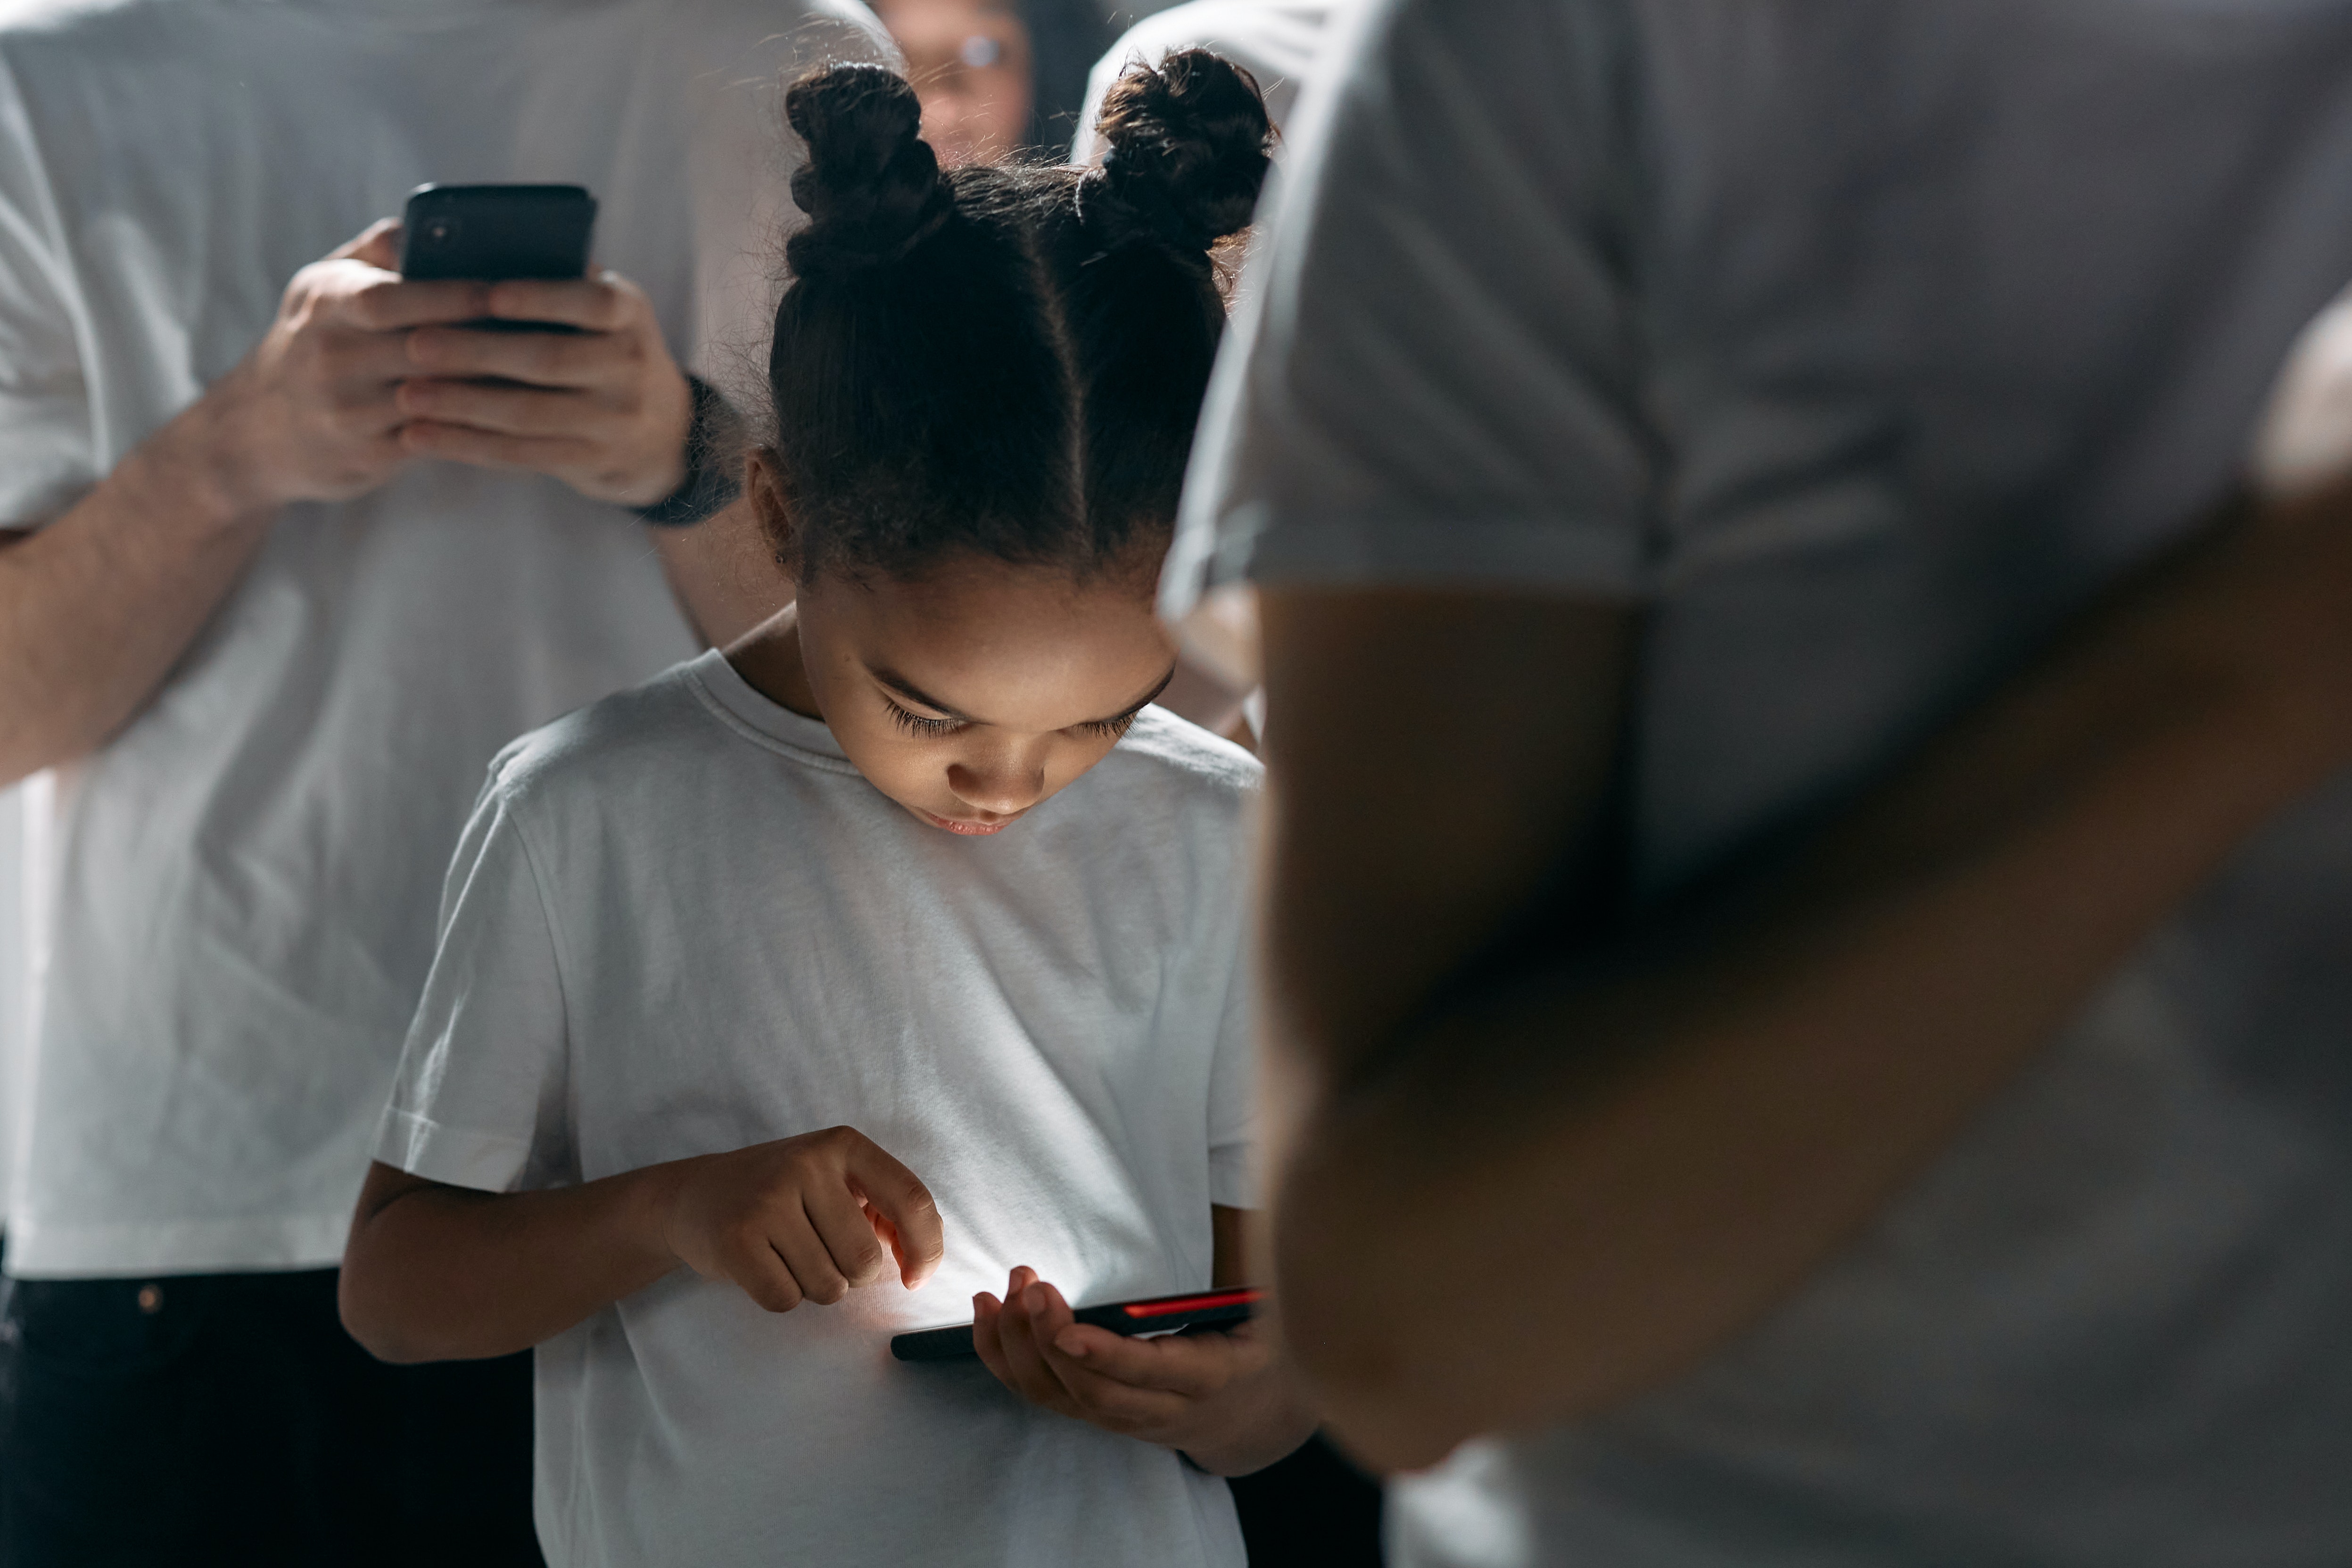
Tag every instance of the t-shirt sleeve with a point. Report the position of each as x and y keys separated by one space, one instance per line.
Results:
x=48 y=455
x=479 y=1098
x=1434 y=372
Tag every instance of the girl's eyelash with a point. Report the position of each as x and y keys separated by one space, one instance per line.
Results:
x=916 y=724
x=932 y=729
x=1113 y=728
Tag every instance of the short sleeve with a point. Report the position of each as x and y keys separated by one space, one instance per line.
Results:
x=479 y=1098
x=1433 y=376
x=47 y=455
x=1233 y=1096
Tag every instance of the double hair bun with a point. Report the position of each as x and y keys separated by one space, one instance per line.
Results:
x=1186 y=149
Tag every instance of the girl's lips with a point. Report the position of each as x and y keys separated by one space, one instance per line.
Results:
x=970 y=829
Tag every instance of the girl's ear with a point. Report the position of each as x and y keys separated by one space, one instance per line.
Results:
x=765 y=488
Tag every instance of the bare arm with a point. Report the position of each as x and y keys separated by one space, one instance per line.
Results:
x=360 y=373
x=433 y=1272
x=97 y=608
x=1650 y=1159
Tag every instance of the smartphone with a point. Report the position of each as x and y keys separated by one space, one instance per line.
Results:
x=1153 y=1315
x=491 y=233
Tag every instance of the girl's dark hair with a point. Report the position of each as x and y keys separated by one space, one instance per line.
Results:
x=1002 y=362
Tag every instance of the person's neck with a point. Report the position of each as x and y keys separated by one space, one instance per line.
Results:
x=768 y=657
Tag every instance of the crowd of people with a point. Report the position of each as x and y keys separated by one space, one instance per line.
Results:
x=1751 y=947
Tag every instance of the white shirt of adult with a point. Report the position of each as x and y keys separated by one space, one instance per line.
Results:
x=1860 y=345
x=681 y=923
x=233 y=908
x=1277 y=40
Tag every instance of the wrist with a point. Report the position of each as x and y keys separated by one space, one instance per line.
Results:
x=202 y=466
x=706 y=482
x=650 y=1220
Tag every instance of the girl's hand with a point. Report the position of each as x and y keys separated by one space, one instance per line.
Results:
x=806 y=1218
x=1223 y=1399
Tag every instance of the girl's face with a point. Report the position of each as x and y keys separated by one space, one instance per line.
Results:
x=973 y=694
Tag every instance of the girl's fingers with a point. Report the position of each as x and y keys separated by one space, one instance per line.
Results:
x=761 y=1274
x=1024 y=1361
x=795 y=1241
x=985 y=1313
x=1193 y=1366
x=848 y=1236
x=1121 y=1406
x=900 y=1197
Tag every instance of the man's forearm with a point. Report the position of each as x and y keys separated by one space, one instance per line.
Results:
x=1644 y=1164
x=97 y=608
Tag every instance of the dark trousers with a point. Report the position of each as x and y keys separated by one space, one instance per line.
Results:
x=227 y=1418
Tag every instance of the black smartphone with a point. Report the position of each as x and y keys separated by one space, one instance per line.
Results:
x=1153 y=1315
x=491 y=233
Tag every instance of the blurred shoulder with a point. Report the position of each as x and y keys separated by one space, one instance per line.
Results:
x=1164 y=752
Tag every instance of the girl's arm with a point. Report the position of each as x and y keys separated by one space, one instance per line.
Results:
x=440 y=1273
x=1637 y=1159
x=1226 y=1401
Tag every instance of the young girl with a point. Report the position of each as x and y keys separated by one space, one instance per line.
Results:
x=897 y=946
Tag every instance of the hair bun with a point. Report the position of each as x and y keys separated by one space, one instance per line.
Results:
x=871 y=186
x=1186 y=149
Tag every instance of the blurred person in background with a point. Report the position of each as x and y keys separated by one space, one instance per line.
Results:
x=1313 y=1507
x=996 y=77
x=285 y=565
x=1838 y=1055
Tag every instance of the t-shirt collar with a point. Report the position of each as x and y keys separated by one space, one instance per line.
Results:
x=759 y=712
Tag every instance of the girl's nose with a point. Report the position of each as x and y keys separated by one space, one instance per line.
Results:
x=999 y=785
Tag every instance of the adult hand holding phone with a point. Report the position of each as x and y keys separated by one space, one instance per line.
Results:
x=602 y=407
x=310 y=414
x=97 y=607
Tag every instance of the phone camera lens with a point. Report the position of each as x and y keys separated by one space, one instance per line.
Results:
x=440 y=231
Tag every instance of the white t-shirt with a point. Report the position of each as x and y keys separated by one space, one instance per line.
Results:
x=1277 y=40
x=1863 y=343
x=14 y=998
x=234 y=899
x=680 y=922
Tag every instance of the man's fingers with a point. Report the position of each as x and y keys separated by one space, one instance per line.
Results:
x=900 y=1197
x=603 y=303
x=378 y=245
x=459 y=444
x=539 y=359
x=392 y=305
x=501 y=410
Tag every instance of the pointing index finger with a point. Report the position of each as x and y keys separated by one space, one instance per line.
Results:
x=894 y=1192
